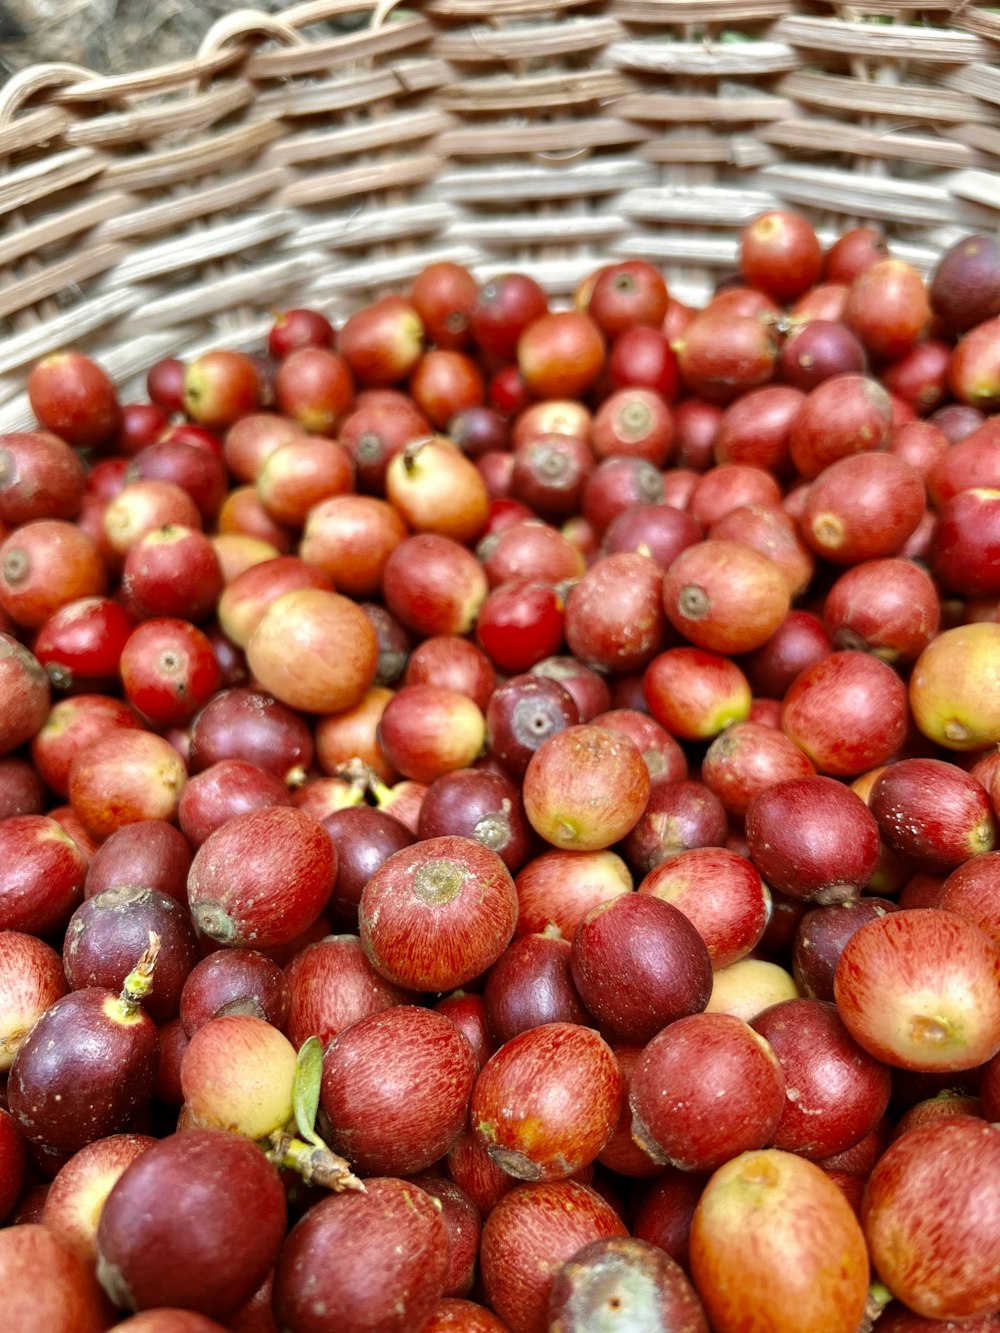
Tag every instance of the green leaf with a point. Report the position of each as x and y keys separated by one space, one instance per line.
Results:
x=306 y=1087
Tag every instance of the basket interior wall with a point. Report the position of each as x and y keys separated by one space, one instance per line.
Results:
x=175 y=208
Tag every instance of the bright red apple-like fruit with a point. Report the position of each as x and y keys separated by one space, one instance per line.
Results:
x=220 y=386
x=973 y=891
x=556 y=889
x=26 y=693
x=695 y=694
x=87 y=1065
x=213 y=1235
x=838 y=1091
x=640 y=964
x=847 y=712
x=331 y=985
x=81 y=645
x=13 y=1164
x=391 y=1245
x=706 y=1088
x=920 y=989
x=78 y=1192
x=887 y=607
x=725 y=596
x=262 y=878
x=529 y=1235
x=747 y=758
x=124 y=777
x=812 y=838
x=31 y=980
x=585 y=788
x=74 y=398
x=780 y=254
x=47 y=1288
x=152 y=853
x=42 y=874
x=464 y=1225
x=314 y=650
x=721 y=893
x=933 y=812
x=396 y=1088
x=757 y=1253
x=41 y=476
x=931 y=1217
x=426 y=731
x=437 y=914
x=547 y=1101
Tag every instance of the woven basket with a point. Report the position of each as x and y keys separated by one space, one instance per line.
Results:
x=171 y=210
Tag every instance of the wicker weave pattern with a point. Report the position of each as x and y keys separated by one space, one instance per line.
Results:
x=174 y=209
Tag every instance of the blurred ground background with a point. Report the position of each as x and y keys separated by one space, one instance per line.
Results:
x=109 y=36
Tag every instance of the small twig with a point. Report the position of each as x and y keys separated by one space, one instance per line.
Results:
x=316 y=1166
x=139 y=981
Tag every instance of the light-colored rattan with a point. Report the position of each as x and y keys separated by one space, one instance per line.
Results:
x=175 y=208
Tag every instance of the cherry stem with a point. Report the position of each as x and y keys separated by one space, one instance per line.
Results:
x=411 y=451
x=879 y=1297
x=139 y=981
x=379 y=789
x=314 y=1164
x=358 y=774
x=365 y=778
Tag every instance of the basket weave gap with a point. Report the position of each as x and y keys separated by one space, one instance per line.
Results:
x=707 y=60
x=683 y=108
x=370 y=222
x=21 y=349
x=506 y=92
x=984 y=137
x=473 y=9
x=971 y=18
x=551 y=137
